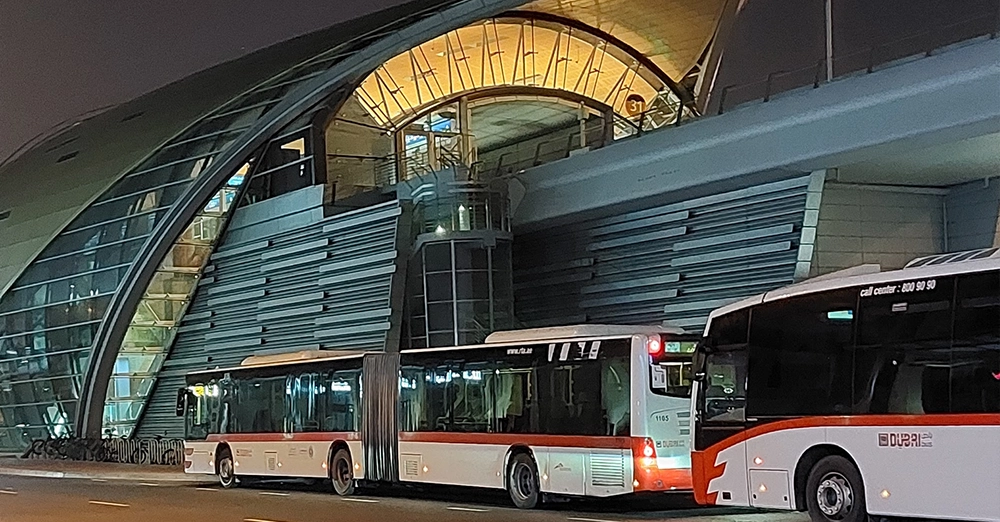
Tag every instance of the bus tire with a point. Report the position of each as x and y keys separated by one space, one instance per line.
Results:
x=835 y=491
x=226 y=469
x=342 y=473
x=522 y=481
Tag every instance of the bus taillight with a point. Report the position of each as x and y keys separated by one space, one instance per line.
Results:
x=644 y=452
x=654 y=346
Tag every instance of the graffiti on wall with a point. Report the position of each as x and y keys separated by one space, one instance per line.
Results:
x=157 y=452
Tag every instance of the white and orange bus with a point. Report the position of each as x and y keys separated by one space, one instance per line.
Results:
x=856 y=394
x=575 y=411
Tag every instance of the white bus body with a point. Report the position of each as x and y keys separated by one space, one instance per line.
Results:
x=918 y=422
x=649 y=452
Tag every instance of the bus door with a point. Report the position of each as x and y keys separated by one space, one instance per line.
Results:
x=721 y=400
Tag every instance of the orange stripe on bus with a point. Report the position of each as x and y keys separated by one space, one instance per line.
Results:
x=324 y=436
x=703 y=462
x=515 y=439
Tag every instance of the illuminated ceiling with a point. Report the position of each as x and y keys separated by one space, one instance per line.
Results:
x=513 y=52
x=673 y=34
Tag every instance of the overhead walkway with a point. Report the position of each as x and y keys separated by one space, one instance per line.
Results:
x=905 y=107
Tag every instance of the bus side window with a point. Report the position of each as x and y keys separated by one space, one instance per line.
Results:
x=513 y=400
x=903 y=353
x=975 y=371
x=801 y=353
x=339 y=409
x=412 y=387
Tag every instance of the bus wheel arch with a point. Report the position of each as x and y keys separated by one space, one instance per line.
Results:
x=806 y=463
x=340 y=468
x=225 y=465
x=521 y=477
x=827 y=454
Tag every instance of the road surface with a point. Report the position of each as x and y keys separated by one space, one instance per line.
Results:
x=24 y=499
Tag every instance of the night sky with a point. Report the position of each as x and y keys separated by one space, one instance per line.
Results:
x=61 y=58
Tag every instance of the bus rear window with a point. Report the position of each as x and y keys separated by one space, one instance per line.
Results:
x=670 y=370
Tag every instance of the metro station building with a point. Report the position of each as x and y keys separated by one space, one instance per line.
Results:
x=427 y=175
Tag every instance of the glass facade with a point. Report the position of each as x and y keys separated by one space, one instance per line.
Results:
x=154 y=323
x=51 y=314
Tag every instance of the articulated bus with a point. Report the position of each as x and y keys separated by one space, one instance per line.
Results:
x=574 y=411
x=857 y=394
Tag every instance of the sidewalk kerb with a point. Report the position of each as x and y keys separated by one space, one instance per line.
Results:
x=162 y=477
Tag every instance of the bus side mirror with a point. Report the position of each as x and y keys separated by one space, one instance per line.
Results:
x=700 y=358
x=182 y=395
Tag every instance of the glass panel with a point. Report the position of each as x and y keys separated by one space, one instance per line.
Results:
x=975 y=366
x=164 y=303
x=802 y=353
x=340 y=403
x=904 y=348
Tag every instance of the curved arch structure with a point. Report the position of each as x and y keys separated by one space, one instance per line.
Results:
x=95 y=281
x=518 y=49
x=64 y=319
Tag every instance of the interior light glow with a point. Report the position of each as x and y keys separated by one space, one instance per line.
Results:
x=340 y=386
x=840 y=315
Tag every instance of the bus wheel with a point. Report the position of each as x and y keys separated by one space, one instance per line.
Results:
x=342 y=473
x=522 y=482
x=835 y=492
x=227 y=472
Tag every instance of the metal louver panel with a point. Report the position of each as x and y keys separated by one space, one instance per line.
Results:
x=285 y=279
x=674 y=262
x=607 y=470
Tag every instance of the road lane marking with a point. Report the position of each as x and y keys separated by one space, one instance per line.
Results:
x=206 y=489
x=8 y=492
x=111 y=504
x=470 y=510
x=98 y=480
x=150 y=484
x=576 y=519
x=275 y=494
x=365 y=500
x=258 y=520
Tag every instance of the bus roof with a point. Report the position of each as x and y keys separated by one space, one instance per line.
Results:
x=575 y=331
x=924 y=267
x=562 y=333
x=288 y=358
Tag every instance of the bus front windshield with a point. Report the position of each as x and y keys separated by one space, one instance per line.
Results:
x=724 y=386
